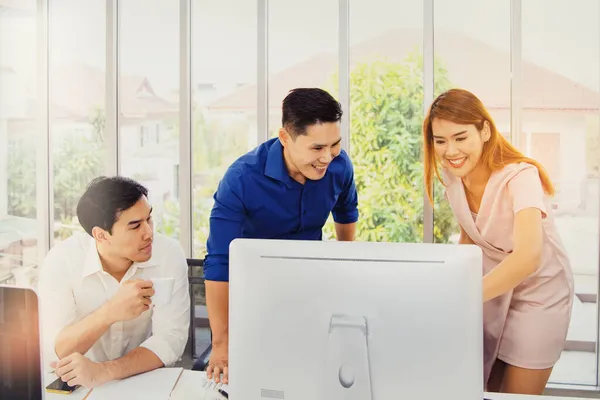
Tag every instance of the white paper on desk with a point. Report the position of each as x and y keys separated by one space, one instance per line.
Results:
x=193 y=385
x=153 y=385
x=210 y=384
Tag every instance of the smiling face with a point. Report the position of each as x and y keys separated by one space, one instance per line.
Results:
x=307 y=156
x=458 y=147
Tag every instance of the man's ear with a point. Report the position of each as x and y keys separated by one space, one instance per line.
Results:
x=100 y=234
x=487 y=131
x=284 y=136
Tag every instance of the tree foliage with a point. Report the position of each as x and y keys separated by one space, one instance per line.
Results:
x=21 y=167
x=77 y=159
x=217 y=143
x=386 y=113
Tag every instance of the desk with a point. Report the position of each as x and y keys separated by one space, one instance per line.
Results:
x=189 y=387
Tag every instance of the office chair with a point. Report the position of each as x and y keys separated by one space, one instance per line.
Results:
x=201 y=362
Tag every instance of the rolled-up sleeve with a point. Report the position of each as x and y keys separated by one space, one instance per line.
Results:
x=170 y=323
x=526 y=190
x=57 y=303
x=345 y=210
x=226 y=220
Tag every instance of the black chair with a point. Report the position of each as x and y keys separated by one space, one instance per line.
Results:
x=195 y=278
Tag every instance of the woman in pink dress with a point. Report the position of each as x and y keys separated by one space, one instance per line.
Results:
x=500 y=199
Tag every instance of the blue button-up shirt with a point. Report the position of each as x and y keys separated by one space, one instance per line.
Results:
x=258 y=199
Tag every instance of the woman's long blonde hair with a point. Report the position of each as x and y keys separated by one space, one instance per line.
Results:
x=463 y=107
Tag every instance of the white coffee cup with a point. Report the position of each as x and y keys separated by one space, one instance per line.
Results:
x=163 y=290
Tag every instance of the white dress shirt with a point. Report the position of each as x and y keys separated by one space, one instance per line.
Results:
x=73 y=284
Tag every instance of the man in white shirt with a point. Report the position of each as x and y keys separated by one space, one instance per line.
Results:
x=99 y=323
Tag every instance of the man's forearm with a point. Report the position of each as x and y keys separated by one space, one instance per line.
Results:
x=345 y=232
x=137 y=361
x=82 y=335
x=217 y=303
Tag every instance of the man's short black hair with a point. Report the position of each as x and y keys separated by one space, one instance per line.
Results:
x=303 y=107
x=104 y=199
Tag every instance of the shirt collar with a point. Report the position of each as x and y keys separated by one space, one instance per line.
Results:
x=275 y=167
x=92 y=264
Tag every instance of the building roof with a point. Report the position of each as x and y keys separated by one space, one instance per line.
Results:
x=80 y=88
x=76 y=90
x=471 y=64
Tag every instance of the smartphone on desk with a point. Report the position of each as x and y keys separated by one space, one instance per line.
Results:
x=60 y=387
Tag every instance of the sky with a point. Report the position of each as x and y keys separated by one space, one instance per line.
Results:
x=559 y=35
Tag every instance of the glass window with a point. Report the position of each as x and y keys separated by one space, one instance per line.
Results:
x=301 y=54
x=224 y=113
x=561 y=60
x=224 y=98
x=386 y=112
x=148 y=103
x=77 y=104
x=18 y=138
x=474 y=56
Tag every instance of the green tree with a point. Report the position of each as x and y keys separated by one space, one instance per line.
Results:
x=21 y=170
x=216 y=143
x=77 y=160
x=386 y=101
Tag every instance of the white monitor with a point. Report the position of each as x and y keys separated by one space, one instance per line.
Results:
x=325 y=320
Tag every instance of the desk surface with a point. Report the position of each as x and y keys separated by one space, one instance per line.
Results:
x=190 y=386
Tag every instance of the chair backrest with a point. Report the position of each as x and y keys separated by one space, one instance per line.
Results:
x=195 y=262
x=195 y=277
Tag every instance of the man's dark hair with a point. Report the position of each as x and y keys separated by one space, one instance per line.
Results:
x=104 y=199
x=303 y=107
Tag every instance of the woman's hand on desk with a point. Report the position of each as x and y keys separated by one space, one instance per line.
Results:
x=77 y=369
x=218 y=364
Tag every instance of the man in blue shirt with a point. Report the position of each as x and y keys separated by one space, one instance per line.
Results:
x=283 y=189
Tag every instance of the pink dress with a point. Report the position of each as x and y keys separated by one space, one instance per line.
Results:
x=527 y=327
